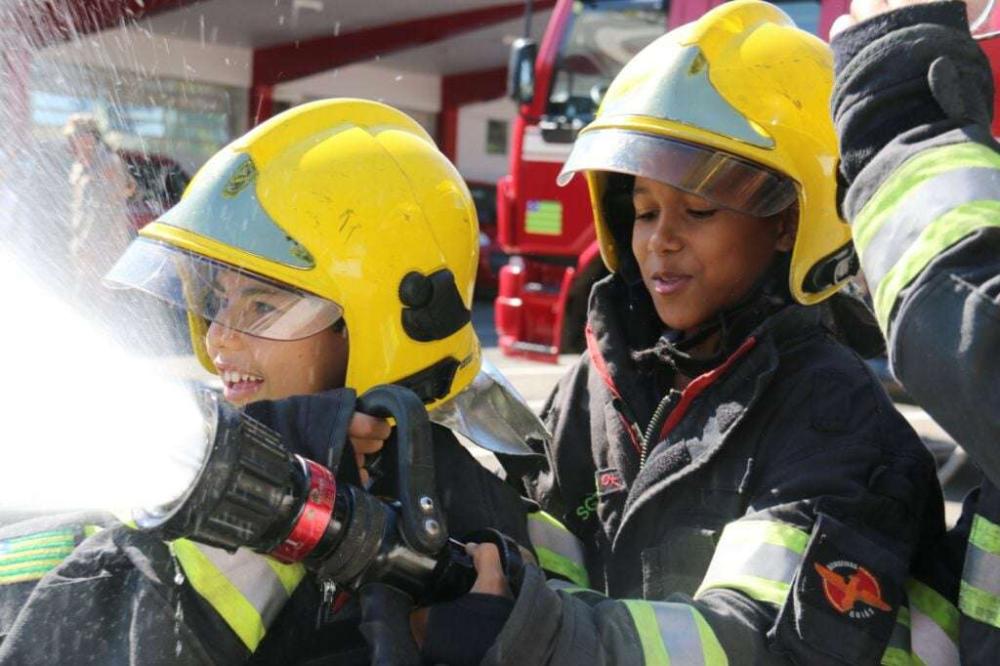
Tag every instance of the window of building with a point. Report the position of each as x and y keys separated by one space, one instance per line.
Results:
x=187 y=121
x=496 y=137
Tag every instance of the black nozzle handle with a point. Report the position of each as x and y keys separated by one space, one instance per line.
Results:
x=421 y=519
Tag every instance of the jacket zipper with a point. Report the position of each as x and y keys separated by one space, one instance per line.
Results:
x=656 y=422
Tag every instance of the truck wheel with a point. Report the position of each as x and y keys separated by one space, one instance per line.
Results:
x=575 y=318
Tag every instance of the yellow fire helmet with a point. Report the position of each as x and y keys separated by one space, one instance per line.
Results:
x=335 y=210
x=735 y=108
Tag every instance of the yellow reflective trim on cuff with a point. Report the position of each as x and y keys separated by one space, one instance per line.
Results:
x=742 y=532
x=711 y=648
x=653 y=650
x=936 y=237
x=758 y=558
x=559 y=551
x=985 y=535
x=223 y=596
x=928 y=601
x=547 y=518
x=761 y=589
x=979 y=604
x=91 y=530
x=914 y=171
x=896 y=657
x=290 y=575
x=562 y=566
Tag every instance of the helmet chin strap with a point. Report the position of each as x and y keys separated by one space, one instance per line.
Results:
x=768 y=295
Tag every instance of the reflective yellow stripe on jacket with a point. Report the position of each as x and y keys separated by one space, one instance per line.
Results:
x=669 y=633
x=672 y=633
x=979 y=595
x=926 y=631
x=758 y=558
x=246 y=589
x=559 y=551
x=931 y=202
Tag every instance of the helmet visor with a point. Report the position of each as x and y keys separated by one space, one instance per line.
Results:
x=725 y=180
x=221 y=293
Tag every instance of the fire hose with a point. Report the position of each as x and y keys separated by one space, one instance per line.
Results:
x=394 y=552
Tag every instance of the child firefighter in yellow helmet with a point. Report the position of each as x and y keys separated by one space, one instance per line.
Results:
x=329 y=250
x=743 y=488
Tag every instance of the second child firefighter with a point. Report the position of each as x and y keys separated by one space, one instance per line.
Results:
x=913 y=105
x=744 y=490
x=331 y=249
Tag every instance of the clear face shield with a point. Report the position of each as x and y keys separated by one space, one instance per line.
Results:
x=726 y=180
x=221 y=293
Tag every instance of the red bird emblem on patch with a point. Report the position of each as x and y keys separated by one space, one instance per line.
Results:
x=851 y=589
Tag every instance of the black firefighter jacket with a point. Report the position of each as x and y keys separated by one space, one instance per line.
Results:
x=773 y=520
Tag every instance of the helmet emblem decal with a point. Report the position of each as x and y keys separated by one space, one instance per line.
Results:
x=244 y=174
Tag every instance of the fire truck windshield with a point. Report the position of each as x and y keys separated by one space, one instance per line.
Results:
x=601 y=37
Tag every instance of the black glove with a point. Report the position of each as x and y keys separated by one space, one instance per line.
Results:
x=460 y=632
x=313 y=426
x=385 y=623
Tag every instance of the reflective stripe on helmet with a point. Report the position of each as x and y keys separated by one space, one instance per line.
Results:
x=979 y=595
x=246 y=589
x=673 y=633
x=932 y=202
x=559 y=551
x=758 y=558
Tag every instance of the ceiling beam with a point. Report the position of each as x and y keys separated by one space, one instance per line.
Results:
x=298 y=59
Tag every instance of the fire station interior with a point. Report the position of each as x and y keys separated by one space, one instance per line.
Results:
x=173 y=81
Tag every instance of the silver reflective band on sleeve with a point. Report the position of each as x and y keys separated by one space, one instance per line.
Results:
x=898 y=651
x=758 y=558
x=674 y=633
x=248 y=590
x=559 y=551
x=927 y=202
x=979 y=596
x=926 y=630
x=982 y=570
x=929 y=642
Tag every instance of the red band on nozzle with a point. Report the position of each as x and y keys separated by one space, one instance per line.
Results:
x=314 y=518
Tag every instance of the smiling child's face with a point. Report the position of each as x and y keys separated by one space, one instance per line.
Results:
x=697 y=259
x=254 y=368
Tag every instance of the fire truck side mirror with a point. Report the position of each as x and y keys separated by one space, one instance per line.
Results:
x=521 y=70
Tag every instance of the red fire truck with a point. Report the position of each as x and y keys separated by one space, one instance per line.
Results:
x=547 y=230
